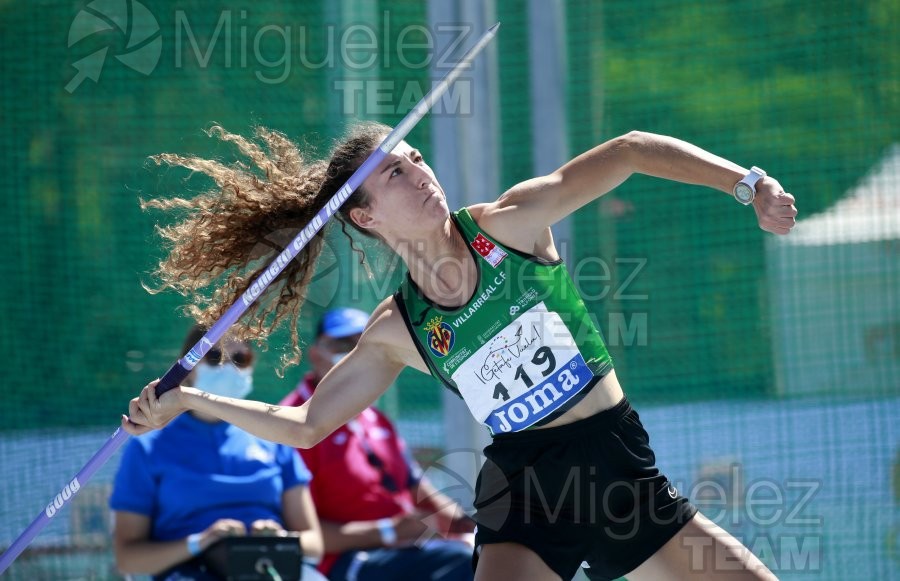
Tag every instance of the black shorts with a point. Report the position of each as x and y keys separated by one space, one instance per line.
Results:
x=585 y=491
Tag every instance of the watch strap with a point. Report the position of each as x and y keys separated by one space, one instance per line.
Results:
x=754 y=176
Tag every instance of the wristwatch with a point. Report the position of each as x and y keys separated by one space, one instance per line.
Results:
x=745 y=190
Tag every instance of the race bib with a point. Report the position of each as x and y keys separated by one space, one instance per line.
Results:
x=524 y=373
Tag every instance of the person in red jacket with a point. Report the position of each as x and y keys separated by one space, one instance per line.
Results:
x=380 y=518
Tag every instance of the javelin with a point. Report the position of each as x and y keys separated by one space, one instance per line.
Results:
x=180 y=369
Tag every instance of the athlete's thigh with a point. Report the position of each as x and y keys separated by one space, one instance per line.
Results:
x=512 y=562
x=702 y=550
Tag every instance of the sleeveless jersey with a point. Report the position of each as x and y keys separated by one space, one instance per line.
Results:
x=522 y=350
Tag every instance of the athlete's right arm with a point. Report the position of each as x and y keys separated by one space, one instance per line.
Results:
x=349 y=388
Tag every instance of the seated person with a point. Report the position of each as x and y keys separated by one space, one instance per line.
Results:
x=380 y=519
x=180 y=489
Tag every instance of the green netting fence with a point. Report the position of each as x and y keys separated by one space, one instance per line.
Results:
x=767 y=370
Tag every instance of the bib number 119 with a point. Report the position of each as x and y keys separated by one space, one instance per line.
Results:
x=543 y=357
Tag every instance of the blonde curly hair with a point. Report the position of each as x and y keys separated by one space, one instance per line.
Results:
x=224 y=238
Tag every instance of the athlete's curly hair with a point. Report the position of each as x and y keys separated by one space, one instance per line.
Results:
x=229 y=234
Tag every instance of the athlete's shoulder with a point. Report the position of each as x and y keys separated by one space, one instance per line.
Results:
x=384 y=319
x=387 y=331
x=485 y=216
x=386 y=326
x=500 y=221
x=477 y=211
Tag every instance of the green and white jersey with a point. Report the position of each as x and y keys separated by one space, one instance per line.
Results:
x=522 y=350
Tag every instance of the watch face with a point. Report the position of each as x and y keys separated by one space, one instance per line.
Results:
x=743 y=193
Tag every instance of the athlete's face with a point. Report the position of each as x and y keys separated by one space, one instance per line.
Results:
x=404 y=196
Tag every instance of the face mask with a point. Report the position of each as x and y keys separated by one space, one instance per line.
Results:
x=335 y=358
x=225 y=380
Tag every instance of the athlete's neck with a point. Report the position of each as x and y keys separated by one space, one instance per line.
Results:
x=441 y=265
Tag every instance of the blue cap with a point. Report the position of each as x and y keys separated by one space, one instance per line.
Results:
x=343 y=322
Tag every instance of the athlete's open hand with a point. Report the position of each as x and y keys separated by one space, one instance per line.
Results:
x=147 y=412
x=774 y=207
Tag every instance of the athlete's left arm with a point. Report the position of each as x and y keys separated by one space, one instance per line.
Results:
x=542 y=201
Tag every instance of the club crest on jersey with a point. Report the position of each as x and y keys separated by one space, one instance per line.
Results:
x=440 y=337
x=488 y=250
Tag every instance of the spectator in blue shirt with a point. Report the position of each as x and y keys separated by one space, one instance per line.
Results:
x=180 y=489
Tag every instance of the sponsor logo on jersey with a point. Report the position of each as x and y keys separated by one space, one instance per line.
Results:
x=488 y=250
x=541 y=400
x=440 y=337
x=481 y=300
